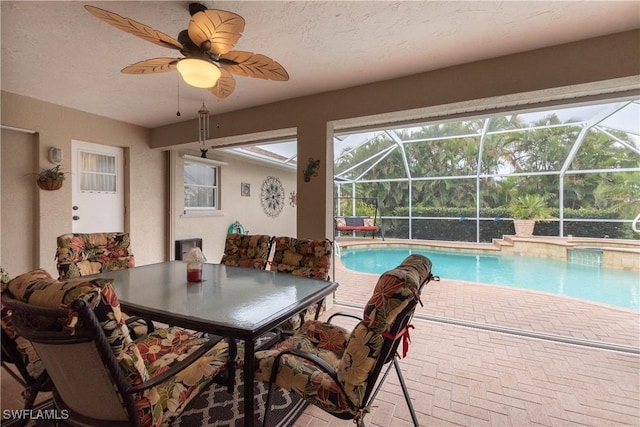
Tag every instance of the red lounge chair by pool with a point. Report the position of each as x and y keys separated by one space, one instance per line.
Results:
x=358 y=223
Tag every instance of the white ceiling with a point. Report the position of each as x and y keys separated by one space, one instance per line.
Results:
x=57 y=52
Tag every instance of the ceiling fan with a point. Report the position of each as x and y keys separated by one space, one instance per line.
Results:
x=206 y=45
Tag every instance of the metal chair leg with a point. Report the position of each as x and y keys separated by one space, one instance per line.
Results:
x=267 y=405
x=406 y=393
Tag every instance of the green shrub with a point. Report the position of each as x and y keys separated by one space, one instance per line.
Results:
x=460 y=224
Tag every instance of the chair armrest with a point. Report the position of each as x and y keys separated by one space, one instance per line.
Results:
x=323 y=365
x=320 y=363
x=341 y=314
x=178 y=366
x=131 y=320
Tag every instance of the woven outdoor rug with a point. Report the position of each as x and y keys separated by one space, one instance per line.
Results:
x=213 y=407
x=216 y=407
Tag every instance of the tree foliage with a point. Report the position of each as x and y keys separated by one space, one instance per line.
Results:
x=444 y=160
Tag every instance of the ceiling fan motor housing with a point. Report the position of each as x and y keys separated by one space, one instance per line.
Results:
x=195 y=8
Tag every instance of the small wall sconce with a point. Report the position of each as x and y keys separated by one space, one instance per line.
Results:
x=55 y=155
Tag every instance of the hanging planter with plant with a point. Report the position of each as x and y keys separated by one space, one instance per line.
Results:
x=50 y=179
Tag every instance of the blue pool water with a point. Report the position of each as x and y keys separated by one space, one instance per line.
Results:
x=606 y=285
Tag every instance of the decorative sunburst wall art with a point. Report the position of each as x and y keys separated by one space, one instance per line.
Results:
x=272 y=196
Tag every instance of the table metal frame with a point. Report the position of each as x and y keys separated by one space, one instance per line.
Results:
x=234 y=302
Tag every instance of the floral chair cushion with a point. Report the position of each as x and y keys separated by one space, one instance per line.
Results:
x=353 y=356
x=162 y=348
x=243 y=250
x=394 y=290
x=4 y=277
x=309 y=313
x=39 y=288
x=139 y=360
x=84 y=254
x=28 y=354
x=307 y=379
x=302 y=257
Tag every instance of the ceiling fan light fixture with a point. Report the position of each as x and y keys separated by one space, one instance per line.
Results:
x=206 y=45
x=198 y=72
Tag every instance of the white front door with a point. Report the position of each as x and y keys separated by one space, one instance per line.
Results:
x=98 y=188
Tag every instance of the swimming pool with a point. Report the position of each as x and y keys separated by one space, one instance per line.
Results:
x=606 y=285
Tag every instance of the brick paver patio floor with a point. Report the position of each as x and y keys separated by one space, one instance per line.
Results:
x=490 y=355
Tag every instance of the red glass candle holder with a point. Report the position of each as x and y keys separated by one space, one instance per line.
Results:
x=194 y=272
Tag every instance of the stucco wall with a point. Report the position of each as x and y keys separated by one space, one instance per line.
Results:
x=553 y=75
x=47 y=214
x=18 y=155
x=212 y=228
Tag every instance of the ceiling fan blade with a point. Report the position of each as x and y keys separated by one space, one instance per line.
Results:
x=150 y=66
x=223 y=29
x=132 y=27
x=250 y=64
x=225 y=85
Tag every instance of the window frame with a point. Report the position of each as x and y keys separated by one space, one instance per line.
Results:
x=215 y=187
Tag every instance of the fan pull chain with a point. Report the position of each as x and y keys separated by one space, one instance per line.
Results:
x=178 y=80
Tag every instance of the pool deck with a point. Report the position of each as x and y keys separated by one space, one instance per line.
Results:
x=492 y=355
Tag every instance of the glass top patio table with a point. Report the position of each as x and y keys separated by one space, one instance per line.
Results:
x=235 y=302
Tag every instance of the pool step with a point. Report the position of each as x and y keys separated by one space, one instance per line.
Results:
x=505 y=241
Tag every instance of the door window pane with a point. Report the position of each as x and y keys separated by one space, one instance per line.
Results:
x=97 y=172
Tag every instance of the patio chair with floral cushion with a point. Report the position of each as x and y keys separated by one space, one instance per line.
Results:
x=19 y=353
x=337 y=370
x=83 y=254
x=98 y=373
x=307 y=258
x=245 y=250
